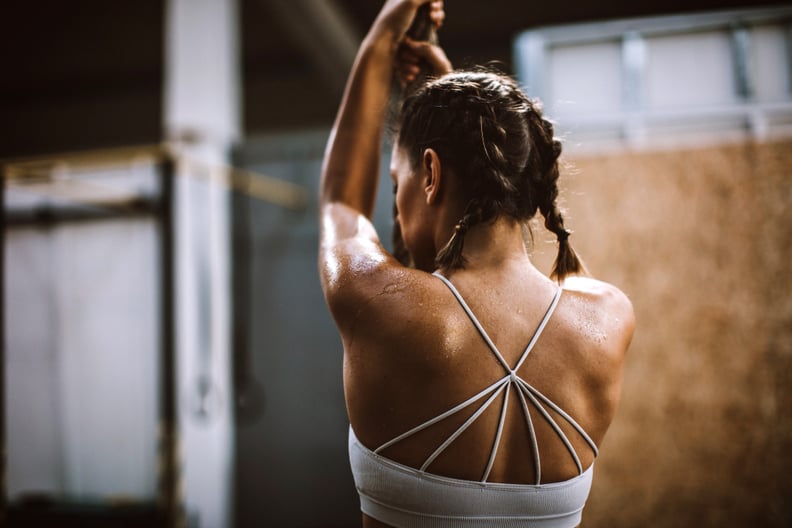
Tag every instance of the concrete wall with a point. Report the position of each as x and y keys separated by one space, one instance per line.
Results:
x=700 y=241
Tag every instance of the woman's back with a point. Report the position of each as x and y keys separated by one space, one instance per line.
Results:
x=416 y=353
x=477 y=397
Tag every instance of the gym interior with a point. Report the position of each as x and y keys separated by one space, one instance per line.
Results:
x=167 y=356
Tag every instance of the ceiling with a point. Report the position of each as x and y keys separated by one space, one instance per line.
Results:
x=285 y=62
x=89 y=73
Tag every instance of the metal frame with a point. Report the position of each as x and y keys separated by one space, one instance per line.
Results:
x=170 y=500
x=248 y=184
x=168 y=503
x=3 y=448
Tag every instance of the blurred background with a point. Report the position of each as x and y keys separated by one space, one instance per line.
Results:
x=167 y=357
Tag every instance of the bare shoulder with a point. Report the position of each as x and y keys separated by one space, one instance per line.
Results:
x=599 y=290
x=604 y=294
x=604 y=305
x=365 y=286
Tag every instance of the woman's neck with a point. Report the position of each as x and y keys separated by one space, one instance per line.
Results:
x=494 y=244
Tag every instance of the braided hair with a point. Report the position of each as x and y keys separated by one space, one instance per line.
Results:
x=497 y=143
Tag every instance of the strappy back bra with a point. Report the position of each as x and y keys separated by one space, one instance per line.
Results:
x=403 y=496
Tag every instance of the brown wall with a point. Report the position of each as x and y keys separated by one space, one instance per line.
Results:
x=701 y=241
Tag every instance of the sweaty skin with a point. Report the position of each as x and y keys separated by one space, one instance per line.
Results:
x=410 y=352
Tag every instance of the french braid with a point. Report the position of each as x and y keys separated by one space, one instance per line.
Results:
x=496 y=141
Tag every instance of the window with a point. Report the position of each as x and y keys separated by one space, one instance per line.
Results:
x=637 y=81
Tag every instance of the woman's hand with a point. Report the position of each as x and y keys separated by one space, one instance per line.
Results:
x=396 y=16
x=352 y=160
x=437 y=13
x=415 y=55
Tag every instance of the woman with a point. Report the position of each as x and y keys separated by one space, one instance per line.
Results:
x=476 y=395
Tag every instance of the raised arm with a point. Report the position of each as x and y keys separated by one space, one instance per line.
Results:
x=351 y=164
x=348 y=241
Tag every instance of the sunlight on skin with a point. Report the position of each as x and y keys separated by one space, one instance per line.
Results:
x=342 y=226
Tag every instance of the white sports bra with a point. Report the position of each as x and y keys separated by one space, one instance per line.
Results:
x=403 y=496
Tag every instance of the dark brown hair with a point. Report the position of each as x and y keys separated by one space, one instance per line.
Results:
x=495 y=140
